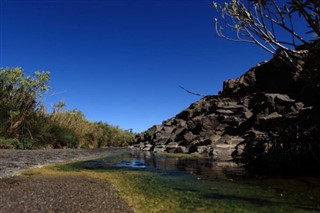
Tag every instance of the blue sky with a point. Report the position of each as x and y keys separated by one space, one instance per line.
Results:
x=122 y=61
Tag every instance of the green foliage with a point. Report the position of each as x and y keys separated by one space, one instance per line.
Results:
x=24 y=124
x=263 y=21
x=10 y=143
x=63 y=137
x=90 y=134
x=14 y=143
x=19 y=100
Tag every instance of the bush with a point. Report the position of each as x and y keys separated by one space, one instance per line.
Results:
x=14 y=143
x=10 y=143
x=63 y=137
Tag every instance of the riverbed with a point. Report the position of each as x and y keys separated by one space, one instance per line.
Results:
x=151 y=182
x=211 y=186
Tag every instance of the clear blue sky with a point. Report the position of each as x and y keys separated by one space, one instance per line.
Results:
x=122 y=61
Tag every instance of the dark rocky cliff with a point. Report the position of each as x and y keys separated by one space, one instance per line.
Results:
x=268 y=118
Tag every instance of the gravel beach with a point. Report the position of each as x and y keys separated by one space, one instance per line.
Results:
x=54 y=194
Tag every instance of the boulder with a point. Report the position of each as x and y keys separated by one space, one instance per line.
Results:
x=189 y=136
x=167 y=131
x=224 y=111
x=171 y=147
x=180 y=149
x=154 y=129
x=209 y=122
x=159 y=148
x=224 y=152
x=147 y=147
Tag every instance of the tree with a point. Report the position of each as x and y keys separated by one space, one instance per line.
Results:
x=267 y=23
x=19 y=100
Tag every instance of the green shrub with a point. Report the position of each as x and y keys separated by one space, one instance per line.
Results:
x=10 y=143
x=14 y=143
x=26 y=143
x=63 y=137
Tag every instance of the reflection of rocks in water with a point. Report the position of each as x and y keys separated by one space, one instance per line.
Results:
x=135 y=164
x=209 y=169
x=202 y=167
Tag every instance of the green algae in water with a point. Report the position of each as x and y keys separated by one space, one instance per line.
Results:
x=177 y=184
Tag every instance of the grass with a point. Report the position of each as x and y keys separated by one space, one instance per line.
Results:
x=152 y=192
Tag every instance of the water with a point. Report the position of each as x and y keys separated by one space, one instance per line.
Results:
x=201 y=167
x=219 y=181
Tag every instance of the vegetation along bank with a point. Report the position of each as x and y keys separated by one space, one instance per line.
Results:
x=26 y=124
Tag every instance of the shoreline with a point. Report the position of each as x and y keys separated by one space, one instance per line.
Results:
x=13 y=161
x=74 y=193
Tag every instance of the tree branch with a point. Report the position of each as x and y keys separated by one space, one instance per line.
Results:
x=193 y=93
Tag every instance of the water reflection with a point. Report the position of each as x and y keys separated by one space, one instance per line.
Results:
x=136 y=164
x=201 y=167
x=227 y=181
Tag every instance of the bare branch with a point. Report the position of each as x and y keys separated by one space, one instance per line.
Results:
x=193 y=93
x=280 y=14
x=288 y=30
x=259 y=22
x=258 y=43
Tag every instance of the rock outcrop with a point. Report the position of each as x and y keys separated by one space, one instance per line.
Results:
x=268 y=118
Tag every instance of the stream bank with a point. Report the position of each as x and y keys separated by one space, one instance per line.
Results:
x=12 y=160
x=49 y=193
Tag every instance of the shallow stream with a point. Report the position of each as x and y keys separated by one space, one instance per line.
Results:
x=216 y=182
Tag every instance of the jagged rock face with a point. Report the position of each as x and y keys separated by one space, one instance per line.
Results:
x=268 y=116
x=201 y=128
